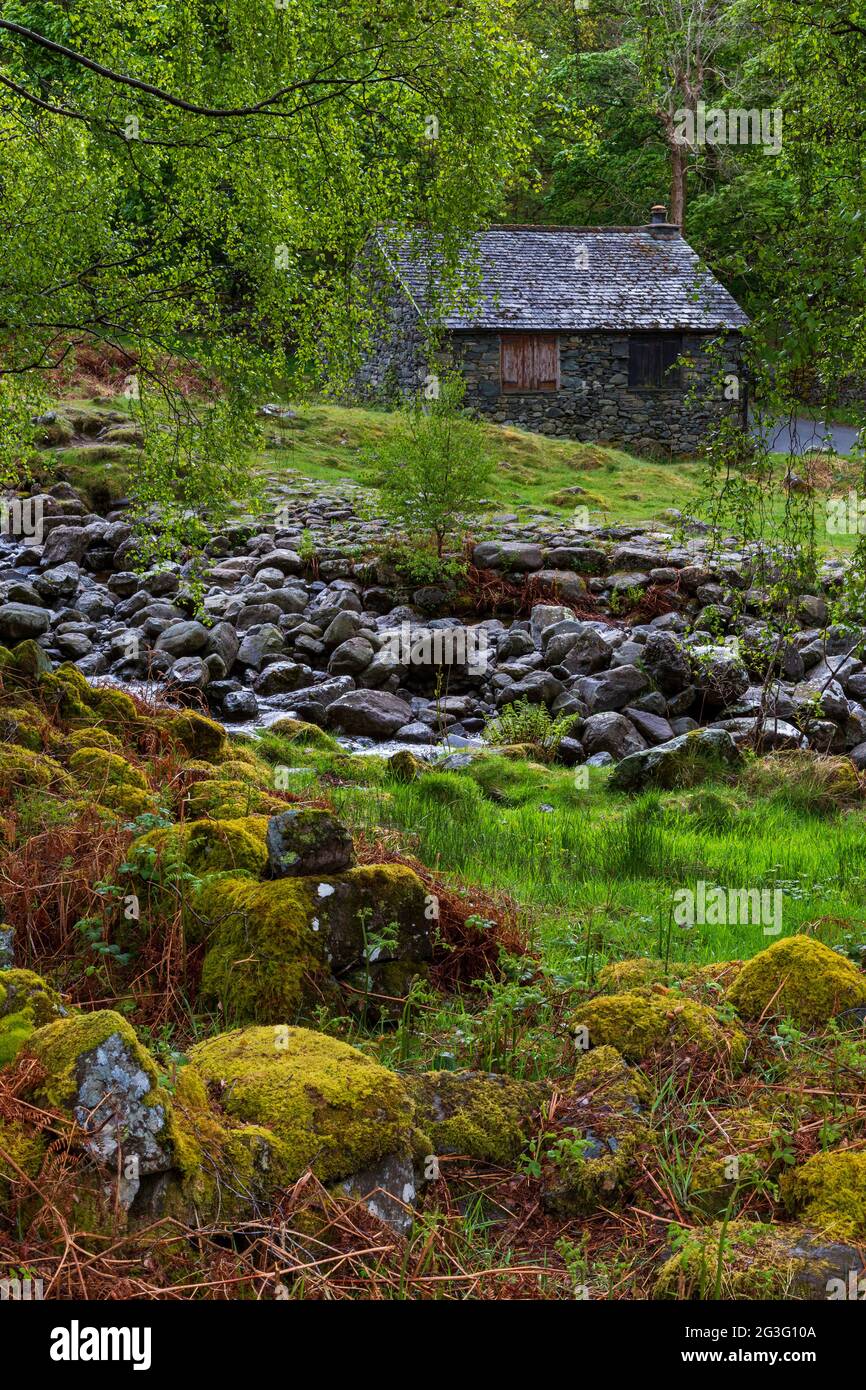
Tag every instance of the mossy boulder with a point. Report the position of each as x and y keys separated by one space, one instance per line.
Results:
x=734 y=1155
x=640 y=1020
x=403 y=766
x=797 y=978
x=95 y=1069
x=224 y=1170
x=305 y=840
x=22 y=1147
x=26 y=1003
x=754 y=1260
x=480 y=1115
x=307 y=735
x=26 y=726
x=334 y=1110
x=69 y=695
x=114 y=782
x=224 y=799
x=243 y=766
x=622 y=975
x=681 y=762
x=94 y=737
x=275 y=946
x=201 y=737
x=829 y=1192
x=29 y=659
x=22 y=767
x=211 y=846
x=601 y=1124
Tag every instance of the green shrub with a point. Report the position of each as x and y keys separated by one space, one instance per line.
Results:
x=531 y=725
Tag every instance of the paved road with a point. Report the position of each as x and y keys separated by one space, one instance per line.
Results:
x=801 y=434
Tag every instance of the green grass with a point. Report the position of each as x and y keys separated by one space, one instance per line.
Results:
x=594 y=875
x=532 y=470
x=534 y=473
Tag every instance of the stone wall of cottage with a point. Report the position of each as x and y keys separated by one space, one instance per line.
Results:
x=595 y=403
x=398 y=360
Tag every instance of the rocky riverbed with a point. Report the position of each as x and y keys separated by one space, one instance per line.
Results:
x=631 y=629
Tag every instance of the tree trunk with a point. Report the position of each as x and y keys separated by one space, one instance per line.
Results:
x=679 y=155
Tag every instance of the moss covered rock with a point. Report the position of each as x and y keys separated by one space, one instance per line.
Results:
x=619 y=976
x=94 y=737
x=96 y=1070
x=26 y=1003
x=307 y=735
x=639 y=1020
x=734 y=1155
x=797 y=978
x=681 y=762
x=223 y=799
x=477 y=1114
x=30 y=659
x=829 y=1192
x=26 y=726
x=244 y=766
x=201 y=737
x=114 y=782
x=274 y=946
x=22 y=767
x=333 y=1109
x=211 y=846
x=305 y=840
x=224 y=1169
x=22 y=1149
x=403 y=766
x=601 y=1125
x=72 y=698
x=754 y=1260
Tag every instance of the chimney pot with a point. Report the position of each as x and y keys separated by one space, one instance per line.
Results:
x=658 y=214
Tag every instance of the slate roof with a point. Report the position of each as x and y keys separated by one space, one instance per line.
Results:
x=531 y=279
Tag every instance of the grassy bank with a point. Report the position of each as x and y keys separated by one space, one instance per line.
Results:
x=534 y=474
x=594 y=872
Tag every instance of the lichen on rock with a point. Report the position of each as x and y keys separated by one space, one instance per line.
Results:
x=97 y=1071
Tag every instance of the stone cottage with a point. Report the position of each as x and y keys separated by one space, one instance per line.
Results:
x=595 y=333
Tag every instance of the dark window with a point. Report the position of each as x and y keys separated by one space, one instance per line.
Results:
x=529 y=361
x=651 y=359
